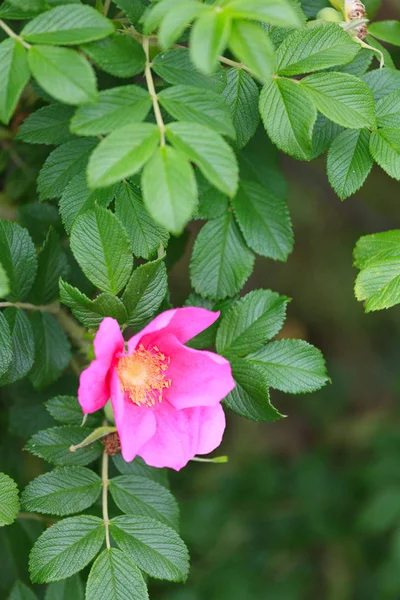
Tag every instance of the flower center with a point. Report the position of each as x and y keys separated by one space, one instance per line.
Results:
x=142 y=375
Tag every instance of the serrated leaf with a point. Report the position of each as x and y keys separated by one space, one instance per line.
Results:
x=145 y=291
x=387 y=110
x=250 y=322
x=118 y=55
x=65 y=589
x=29 y=5
x=212 y=203
x=9 y=500
x=66 y=548
x=264 y=221
x=48 y=125
x=63 y=73
x=324 y=133
x=169 y=188
x=387 y=31
x=155 y=548
x=139 y=467
x=176 y=67
x=209 y=151
x=382 y=82
x=67 y=25
x=115 y=108
x=221 y=262
x=250 y=397
x=21 y=592
x=52 y=350
x=136 y=495
x=4 y=283
x=92 y=312
x=385 y=148
x=291 y=366
x=176 y=20
x=144 y=234
x=52 y=264
x=122 y=154
x=241 y=95
x=18 y=259
x=282 y=13
x=360 y=64
x=288 y=113
x=67 y=409
x=13 y=78
x=156 y=13
x=133 y=10
x=189 y=103
x=53 y=445
x=61 y=166
x=343 y=98
x=114 y=576
x=6 y=346
x=252 y=46
x=377 y=246
x=62 y=492
x=349 y=162
x=315 y=49
x=22 y=346
x=10 y=11
x=208 y=39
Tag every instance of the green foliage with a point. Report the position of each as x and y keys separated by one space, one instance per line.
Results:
x=54 y=446
x=18 y=259
x=9 y=500
x=52 y=350
x=21 y=592
x=117 y=55
x=387 y=31
x=14 y=76
x=22 y=345
x=349 y=161
x=112 y=575
x=48 y=125
x=241 y=95
x=145 y=291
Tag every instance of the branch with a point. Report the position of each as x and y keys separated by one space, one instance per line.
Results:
x=152 y=91
x=12 y=34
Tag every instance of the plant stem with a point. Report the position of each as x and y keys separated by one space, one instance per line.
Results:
x=152 y=91
x=35 y=517
x=74 y=331
x=106 y=8
x=50 y=308
x=12 y=34
x=233 y=63
x=104 y=476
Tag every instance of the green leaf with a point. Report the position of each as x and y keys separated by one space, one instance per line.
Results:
x=251 y=322
x=53 y=445
x=169 y=188
x=114 y=576
x=22 y=346
x=250 y=397
x=4 y=283
x=291 y=366
x=343 y=98
x=385 y=148
x=6 y=345
x=29 y=5
x=52 y=350
x=118 y=55
x=65 y=589
x=241 y=95
x=176 y=67
x=63 y=73
x=282 y=13
x=176 y=20
x=145 y=291
x=378 y=257
x=156 y=13
x=13 y=78
x=18 y=258
x=349 y=162
x=101 y=246
x=382 y=82
x=77 y=199
x=136 y=495
x=21 y=592
x=224 y=271
x=212 y=203
x=387 y=110
x=61 y=166
x=9 y=10
x=66 y=548
x=48 y=125
x=133 y=10
x=67 y=409
x=264 y=221
x=288 y=113
x=9 y=500
x=67 y=25
x=139 y=467
x=188 y=103
x=252 y=46
x=122 y=154
x=62 y=492
x=52 y=264
x=209 y=151
x=144 y=234
x=155 y=548
x=315 y=49
x=114 y=108
x=324 y=133
x=387 y=31
x=91 y=312
x=208 y=39
x=360 y=64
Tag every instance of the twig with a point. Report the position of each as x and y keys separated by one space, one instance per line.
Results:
x=12 y=34
x=152 y=91
x=50 y=308
x=104 y=477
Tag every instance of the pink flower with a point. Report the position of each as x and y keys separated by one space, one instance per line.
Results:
x=166 y=397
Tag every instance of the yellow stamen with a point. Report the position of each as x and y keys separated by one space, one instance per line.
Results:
x=142 y=375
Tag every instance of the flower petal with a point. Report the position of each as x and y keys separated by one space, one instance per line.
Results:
x=199 y=378
x=135 y=424
x=94 y=389
x=184 y=323
x=181 y=434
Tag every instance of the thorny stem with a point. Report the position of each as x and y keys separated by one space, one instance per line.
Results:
x=152 y=91
x=50 y=308
x=12 y=34
x=104 y=476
